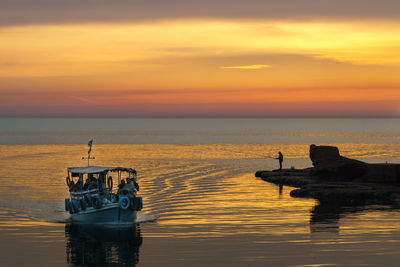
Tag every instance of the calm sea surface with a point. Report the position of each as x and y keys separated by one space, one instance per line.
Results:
x=197 y=180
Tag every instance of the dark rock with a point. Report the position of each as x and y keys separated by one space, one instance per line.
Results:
x=299 y=193
x=339 y=180
x=328 y=162
x=384 y=172
x=295 y=178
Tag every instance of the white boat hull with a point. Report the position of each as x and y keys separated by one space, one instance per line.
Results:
x=108 y=213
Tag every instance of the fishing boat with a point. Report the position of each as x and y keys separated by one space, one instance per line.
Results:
x=93 y=199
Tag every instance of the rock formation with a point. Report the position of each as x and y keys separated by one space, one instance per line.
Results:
x=340 y=180
x=328 y=162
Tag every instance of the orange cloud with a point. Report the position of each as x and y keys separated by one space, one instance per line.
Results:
x=177 y=65
x=248 y=67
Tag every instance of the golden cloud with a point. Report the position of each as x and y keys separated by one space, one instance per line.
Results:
x=247 y=67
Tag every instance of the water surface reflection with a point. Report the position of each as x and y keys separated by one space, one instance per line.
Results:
x=97 y=245
x=334 y=218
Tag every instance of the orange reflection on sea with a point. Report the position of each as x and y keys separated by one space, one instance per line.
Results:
x=209 y=187
x=244 y=205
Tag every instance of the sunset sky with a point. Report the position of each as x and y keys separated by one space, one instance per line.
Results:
x=199 y=58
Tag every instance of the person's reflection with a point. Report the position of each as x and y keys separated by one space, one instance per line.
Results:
x=95 y=245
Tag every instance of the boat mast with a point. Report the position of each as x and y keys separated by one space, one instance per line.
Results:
x=90 y=150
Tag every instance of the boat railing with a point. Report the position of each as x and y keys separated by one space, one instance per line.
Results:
x=95 y=191
x=81 y=193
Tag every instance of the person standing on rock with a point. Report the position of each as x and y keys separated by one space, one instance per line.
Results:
x=280 y=158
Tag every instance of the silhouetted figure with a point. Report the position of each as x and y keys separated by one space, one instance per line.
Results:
x=78 y=185
x=93 y=183
x=121 y=186
x=136 y=185
x=71 y=186
x=280 y=158
x=86 y=185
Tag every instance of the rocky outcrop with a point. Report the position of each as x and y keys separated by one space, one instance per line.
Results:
x=295 y=178
x=340 y=180
x=328 y=162
x=333 y=192
x=350 y=193
x=382 y=173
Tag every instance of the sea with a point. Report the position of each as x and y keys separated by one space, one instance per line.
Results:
x=203 y=206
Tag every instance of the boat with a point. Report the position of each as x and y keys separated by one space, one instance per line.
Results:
x=94 y=200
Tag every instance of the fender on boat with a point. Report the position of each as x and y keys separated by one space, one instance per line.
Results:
x=110 y=182
x=140 y=203
x=132 y=203
x=68 y=181
x=136 y=203
x=124 y=202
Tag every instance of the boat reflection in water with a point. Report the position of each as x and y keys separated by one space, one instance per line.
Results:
x=99 y=245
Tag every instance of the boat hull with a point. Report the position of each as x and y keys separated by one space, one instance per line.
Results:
x=111 y=213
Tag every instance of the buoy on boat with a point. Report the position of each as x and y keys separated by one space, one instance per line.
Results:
x=68 y=181
x=124 y=202
x=110 y=182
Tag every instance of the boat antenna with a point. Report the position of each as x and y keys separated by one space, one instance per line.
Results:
x=90 y=150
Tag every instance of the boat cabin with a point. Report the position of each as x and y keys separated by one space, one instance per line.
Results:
x=100 y=180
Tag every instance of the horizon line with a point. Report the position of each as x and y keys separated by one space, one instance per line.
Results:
x=205 y=117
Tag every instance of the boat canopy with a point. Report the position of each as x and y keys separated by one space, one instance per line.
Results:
x=98 y=170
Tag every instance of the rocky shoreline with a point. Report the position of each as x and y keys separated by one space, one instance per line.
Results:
x=341 y=181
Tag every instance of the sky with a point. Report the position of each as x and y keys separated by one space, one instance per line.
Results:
x=229 y=58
